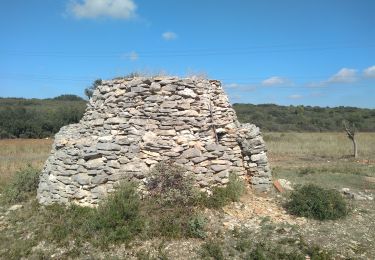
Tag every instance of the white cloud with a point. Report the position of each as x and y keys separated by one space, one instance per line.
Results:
x=344 y=75
x=133 y=56
x=169 y=36
x=274 y=81
x=295 y=96
x=118 y=9
x=231 y=85
x=236 y=97
x=316 y=84
x=369 y=72
x=241 y=87
x=316 y=94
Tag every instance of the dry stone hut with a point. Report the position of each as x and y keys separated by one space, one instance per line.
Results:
x=132 y=124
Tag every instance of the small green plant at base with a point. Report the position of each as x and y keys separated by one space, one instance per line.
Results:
x=170 y=223
x=316 y=253
x=65 y=222
x=23 y=185
x=196 y=226
x=263 y=251
x=221 y=196
x=212 y=250
x=118 y=216
x=312 y=201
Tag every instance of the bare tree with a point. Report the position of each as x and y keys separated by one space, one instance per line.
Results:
x=351 y=131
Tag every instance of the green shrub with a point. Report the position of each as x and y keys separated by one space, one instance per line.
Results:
x=263 y=251
x=306 y=171
x=212 y=249
x=317 y=253
x=196 y=226
x=23 y=186
x=119 y=217
x=312 y=201
x=221 y=196
x=170 y=223
x=171 y=185
x=65 y=222
x=167 y=221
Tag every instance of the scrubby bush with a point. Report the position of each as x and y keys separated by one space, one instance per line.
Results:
x=221 y=196
x=63 y=223
x=172 y=185
x=23 y=185
x=119 y=217
x=312 y=201
x=172 y=201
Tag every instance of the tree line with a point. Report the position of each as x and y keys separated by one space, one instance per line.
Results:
x=271 y=117
x=40 y=118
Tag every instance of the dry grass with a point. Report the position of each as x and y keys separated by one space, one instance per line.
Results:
x=320 y=145
x=323 y=159
x=16 y=154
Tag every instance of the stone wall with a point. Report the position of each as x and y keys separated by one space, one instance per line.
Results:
x=132 y=124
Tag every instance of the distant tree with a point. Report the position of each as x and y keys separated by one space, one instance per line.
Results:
x=351 y=131
x=90 y=90
x=68 y=97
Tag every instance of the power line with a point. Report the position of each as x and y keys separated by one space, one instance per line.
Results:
x=241 y=84
x=184 y=53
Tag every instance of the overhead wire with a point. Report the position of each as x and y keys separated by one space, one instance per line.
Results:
x=260 y=49
x=184 y=53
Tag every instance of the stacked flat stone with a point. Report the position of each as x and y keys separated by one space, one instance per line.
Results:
x=131 y=124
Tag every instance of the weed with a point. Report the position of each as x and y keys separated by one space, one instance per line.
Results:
x=312 y=201
x=264 y=251
x=143 y=255
x=307 y=170
x=62 y=223
x=22 y=186
x=316 y=253
x=171 y=224
x=244 y=240
x=221 y=196
x=20 y=249
x=212 y=249
x=196 y=226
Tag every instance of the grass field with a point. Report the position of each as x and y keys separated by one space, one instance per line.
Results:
x=16 y=154
x=323 y=158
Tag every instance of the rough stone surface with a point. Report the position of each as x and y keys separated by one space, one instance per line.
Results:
x=132 y=124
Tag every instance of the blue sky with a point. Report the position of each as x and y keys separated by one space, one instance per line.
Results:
x=319 y=52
